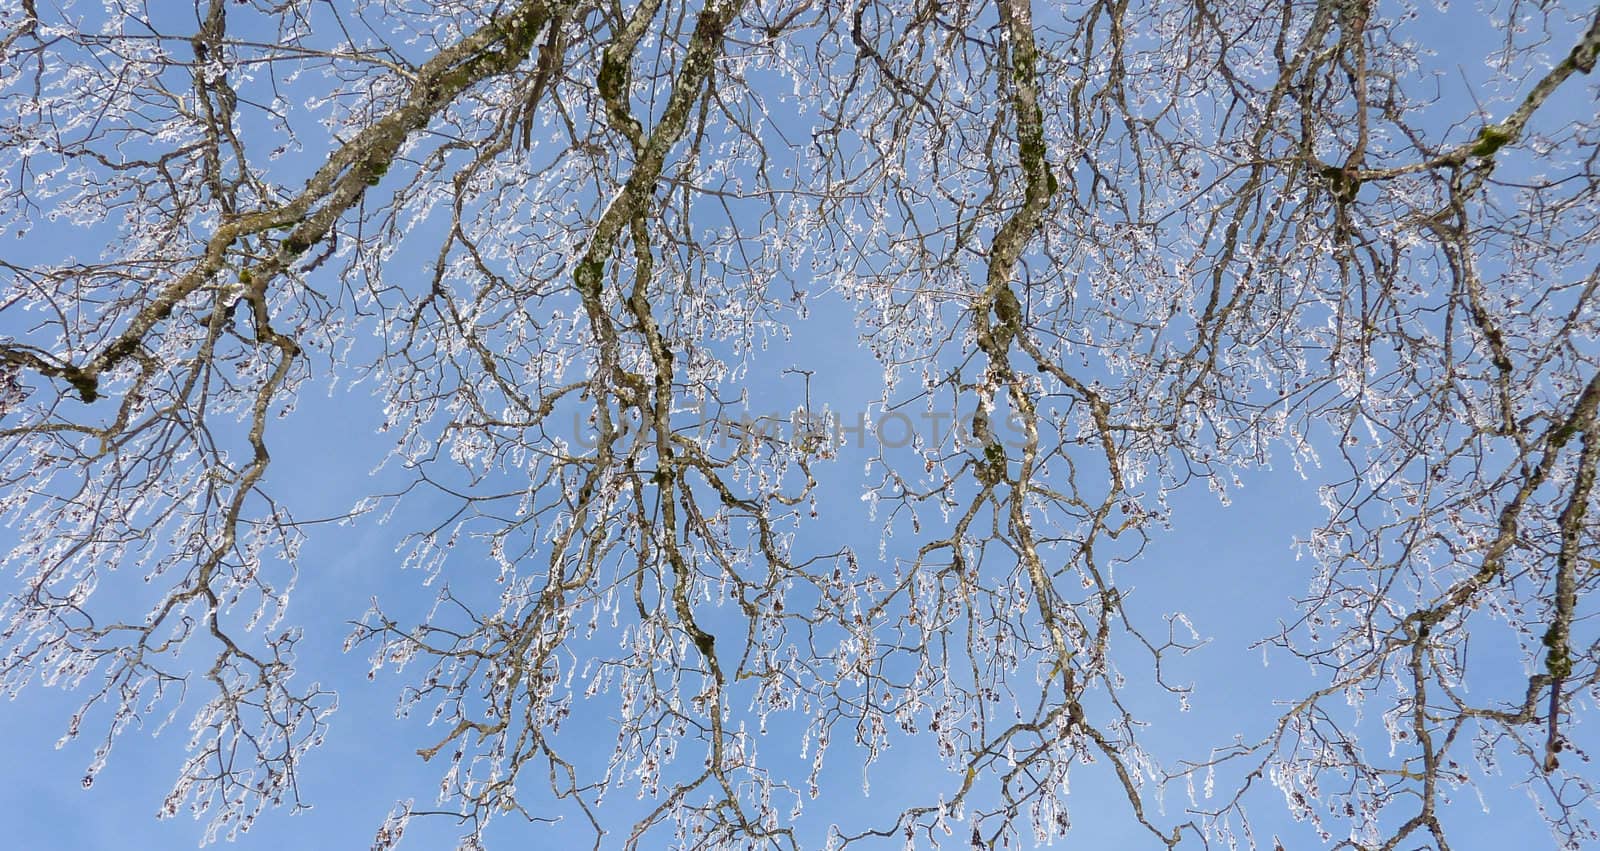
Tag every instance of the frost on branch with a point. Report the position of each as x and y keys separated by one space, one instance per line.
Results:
x=1101 y=252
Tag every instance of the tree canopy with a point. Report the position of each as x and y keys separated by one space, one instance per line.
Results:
x=1103 y=252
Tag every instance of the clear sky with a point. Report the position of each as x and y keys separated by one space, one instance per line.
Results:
x=1233 y=570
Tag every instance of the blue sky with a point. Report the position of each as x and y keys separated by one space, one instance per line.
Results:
x=1232 y=569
